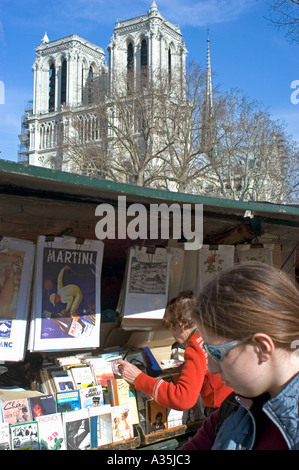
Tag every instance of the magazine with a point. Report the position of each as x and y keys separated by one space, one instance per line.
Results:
x=66 y=304
x=16 y=270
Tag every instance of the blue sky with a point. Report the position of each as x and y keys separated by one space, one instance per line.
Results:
x=246 y=52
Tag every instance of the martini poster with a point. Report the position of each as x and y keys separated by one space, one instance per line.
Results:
x=66 y=311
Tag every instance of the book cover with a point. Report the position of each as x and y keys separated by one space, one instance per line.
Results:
x=122 y=393
x=16 y=271
x=174 y=418
x=100 y=425
x=51 y=433
x=102 y=371
x=68 y=401
x=16 y=411
x=5 y=437
x=157 y=417
x=42 y=405
x=122 y=426
x=77 y=430
x=82 y=376
x=66 y=308
x=24 y=436
x=63 y=380
x=91 y=396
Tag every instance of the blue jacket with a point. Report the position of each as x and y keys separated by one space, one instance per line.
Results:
x=238 y=429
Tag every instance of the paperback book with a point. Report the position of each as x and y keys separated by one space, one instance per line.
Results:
x=42 y=405
x=5 y=437
x=16 y=411
x=77 y=430
x=100 y=425
x=51 y=433
x=24 y=436
x=91 y=396
x=68 y=401
x=122 y=426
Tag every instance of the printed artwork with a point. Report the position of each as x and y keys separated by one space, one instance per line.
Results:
x=213 y=261
x=66 y=310
x=16 y=268
x=148 y=278
x=11 y=266
x=68 y=297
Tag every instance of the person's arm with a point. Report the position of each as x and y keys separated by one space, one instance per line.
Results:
x=180 y=396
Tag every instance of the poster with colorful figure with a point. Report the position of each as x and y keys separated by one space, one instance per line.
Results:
x=67 y=285
x=16 y=269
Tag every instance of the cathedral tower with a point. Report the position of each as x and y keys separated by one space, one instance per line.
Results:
x=143 y=48
x=64 y=71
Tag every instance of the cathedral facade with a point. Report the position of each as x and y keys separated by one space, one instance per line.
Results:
x=66 y=70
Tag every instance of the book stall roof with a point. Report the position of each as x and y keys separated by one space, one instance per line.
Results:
x=38 y=201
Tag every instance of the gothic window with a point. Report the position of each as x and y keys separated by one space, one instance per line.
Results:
x=52 y=88
x=130 y=67
x=41 y=136
x=169 y=66
x=63 y=82
x=90 y=84
x=144 y=64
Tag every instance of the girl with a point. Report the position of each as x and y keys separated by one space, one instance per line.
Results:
x=249 y=321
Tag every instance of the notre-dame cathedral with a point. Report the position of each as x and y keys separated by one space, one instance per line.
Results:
x=65 y=69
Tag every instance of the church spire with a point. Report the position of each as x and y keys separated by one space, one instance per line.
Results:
x=153 y=8
x=208 y=117
x=209 y=87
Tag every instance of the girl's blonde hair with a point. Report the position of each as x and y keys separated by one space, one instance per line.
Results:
x=250 y=298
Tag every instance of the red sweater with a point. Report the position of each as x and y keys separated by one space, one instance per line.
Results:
x=194 y=380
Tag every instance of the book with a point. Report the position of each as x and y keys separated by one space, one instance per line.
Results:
x=24 y=436
x=157 y=417
x=83 y=376
x=122 y=426
x=68 y=401
x=42 y=405
x=63 y=380
x=77 y=429
x=100 y=425
x=5 y=436
x=122 y=393
x=91 y=396
x=16 y=411
x=101 y=370
x=66 y=310
x=174 y=418
x=51 y=433
x=16 y=272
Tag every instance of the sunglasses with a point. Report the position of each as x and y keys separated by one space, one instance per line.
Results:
x=218 y=351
